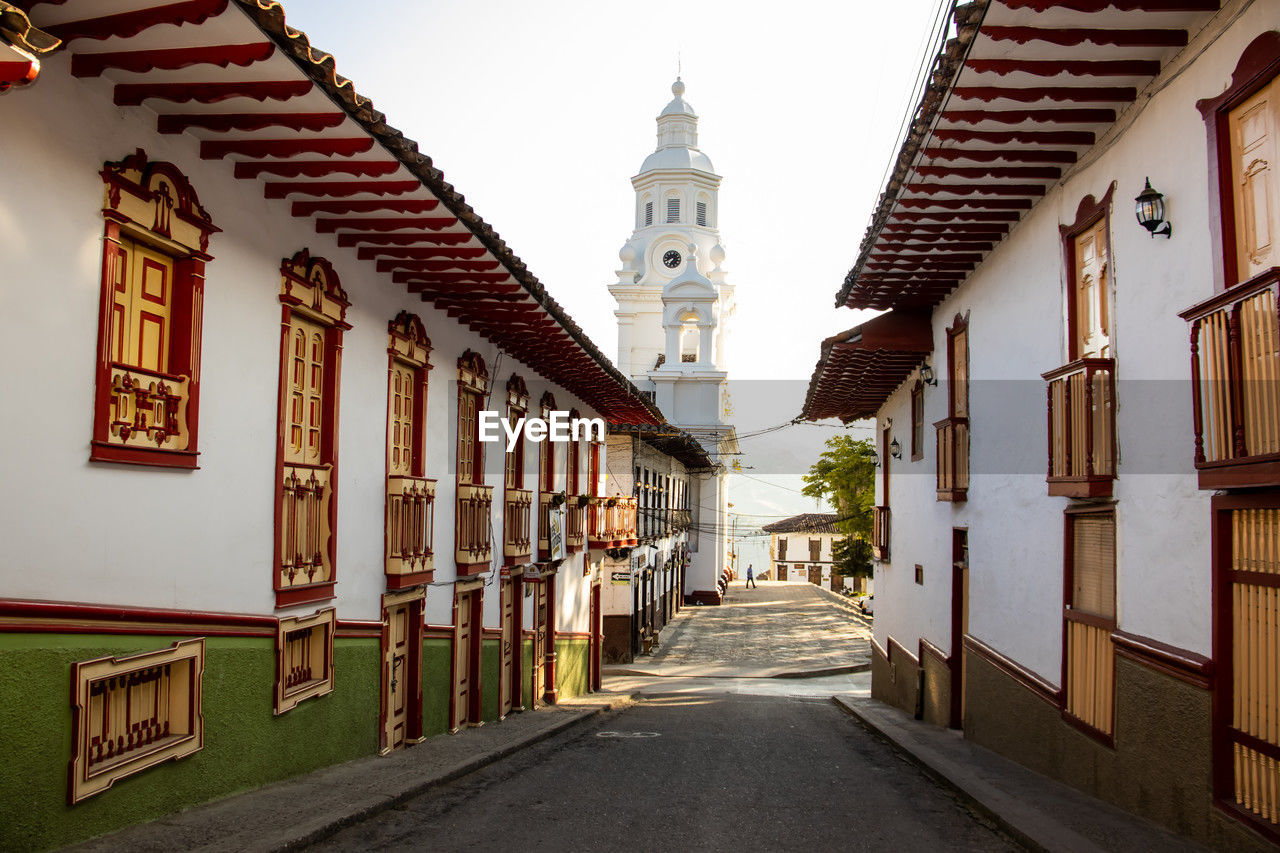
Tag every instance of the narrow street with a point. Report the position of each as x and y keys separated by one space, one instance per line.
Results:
x=710 y=756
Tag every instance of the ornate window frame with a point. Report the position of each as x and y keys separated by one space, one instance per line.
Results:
x=141 y=416
x=304 y=644
x=306 y=499
x=410 y=502
x=168 y=680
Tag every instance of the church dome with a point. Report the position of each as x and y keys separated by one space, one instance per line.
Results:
x=677 y=158
x=678 y=106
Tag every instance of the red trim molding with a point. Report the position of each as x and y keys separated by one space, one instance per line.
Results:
x=64 y=617
x=1019 y=673
x=928 y=648
x=897 y=649
x=1194 y=669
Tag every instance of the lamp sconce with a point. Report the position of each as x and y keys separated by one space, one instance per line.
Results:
x=926 y=375
x=895 y=449
x=1149 y=208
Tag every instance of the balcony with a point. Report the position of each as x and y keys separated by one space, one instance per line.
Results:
x=410 y=522
x=612 y=523
x=953 y=459
x=880 y=532
x=473 y=545
x=1235 y=384
x=305 y=497
x=575 y=525
x=517 y=509
x=1082 y=447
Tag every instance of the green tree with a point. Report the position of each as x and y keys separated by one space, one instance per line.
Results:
x=845 y=476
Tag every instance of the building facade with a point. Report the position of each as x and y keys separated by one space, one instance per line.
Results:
x=674 y=308
x=255 y=528
x=1075 y=557
x=802 y=548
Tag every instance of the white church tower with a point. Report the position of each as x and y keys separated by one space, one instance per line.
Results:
x=674 y=307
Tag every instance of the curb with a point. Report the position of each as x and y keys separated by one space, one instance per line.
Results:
x=803 y=673
x=945 y=781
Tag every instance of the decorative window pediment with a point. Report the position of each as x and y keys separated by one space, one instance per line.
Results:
x=311 y=286
x=155 y=196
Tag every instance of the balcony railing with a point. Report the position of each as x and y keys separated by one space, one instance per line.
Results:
x=575 y=525
x=611 y=523
x=148 y=408
x=305 y=491
x=517 y=507
x=473 y=544
x=1235 y=379
x=880 y=532
x=953 y=459
x=410 y=523
x=1082 y=451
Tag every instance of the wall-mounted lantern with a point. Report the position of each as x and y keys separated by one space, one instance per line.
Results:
x=895 y=449
x=1149 y=208
x=926 y=375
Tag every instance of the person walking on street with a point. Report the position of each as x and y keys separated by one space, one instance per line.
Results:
x=751 y=578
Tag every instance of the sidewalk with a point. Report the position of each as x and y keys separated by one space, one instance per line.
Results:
x=1036 y=811
x=299 y=811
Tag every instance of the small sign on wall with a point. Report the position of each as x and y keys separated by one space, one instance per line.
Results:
x=622 y=578
x=556 y=517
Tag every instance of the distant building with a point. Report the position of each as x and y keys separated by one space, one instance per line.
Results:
x=801 y=548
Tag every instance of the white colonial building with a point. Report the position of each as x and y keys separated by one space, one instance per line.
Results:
x=1077 y=396
x=674 y=307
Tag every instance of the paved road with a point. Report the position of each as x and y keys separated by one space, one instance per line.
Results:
x=690 y=772
x=704 y=763
x=776 y=625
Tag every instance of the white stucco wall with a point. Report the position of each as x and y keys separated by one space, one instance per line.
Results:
x=1016 y=303
x=203 y=540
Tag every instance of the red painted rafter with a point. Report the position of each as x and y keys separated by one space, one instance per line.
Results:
x=925 y=265
x=950 y=204
x=133 y=94
x=225 y=122
x=1031 y=94
x=330 y=224
x=971 y=217
x=369 y=253
x=317 y=168
x=171 y=59
x=937 y=244
x=431 y=279
x=129 y=24
x=1049 y=173
x=418 y=283
x=216 y=149
x=1119 y=5
x=1025 y=137
x=355 y=238
x=408 y=205
x=1072 y=67
x=1070 y=37
x=280 y=189
x=977 y=189
x=1067 y=116
x=992 y=232
x=1009 y=155
x=396 y=264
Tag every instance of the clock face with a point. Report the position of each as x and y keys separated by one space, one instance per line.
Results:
x=671 y=259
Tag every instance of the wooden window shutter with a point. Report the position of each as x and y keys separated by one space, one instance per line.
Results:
x=782 y=547
x=702 y=213
x=1253 y=129
x=1093 y=569
x=959 y=368
x=648 y=213
x=673 y=210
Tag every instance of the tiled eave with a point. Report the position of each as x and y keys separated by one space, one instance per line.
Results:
x=1023 y=90
x=858 y=369
x=254 y=92
x=669 y=441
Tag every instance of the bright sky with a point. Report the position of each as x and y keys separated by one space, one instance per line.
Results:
x=541 y=112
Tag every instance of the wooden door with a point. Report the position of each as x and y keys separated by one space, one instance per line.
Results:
x=1091 y=294
x=815 y=575
x=396 y=679
x=1253 y=128
x=464 y=630
x=507 y=661
x=539 y=641
x=597 y=640
x=959 y=622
